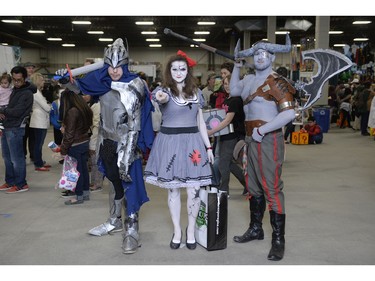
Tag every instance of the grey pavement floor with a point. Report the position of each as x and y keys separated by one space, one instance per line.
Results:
x=330 y=214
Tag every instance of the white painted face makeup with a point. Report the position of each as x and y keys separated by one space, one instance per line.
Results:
x=179 y=70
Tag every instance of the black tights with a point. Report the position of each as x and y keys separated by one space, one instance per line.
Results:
x=107 y=153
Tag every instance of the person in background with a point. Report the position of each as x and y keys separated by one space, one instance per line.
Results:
x=363 y=107
x=15 y=117
x=54 y=118
x=39 y=122
x=209 y=89
x=314 y=130
x=268 y=105
x=371 y=104
x=216 y=101
x=28 y=139
x=236 y=117
x=344 y=99
x=217 y=97
x=181 y=152
x=96 y=177
x=5 y=92
x=77 y=120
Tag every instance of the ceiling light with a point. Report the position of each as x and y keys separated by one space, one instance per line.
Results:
x=81 y=22
x=35 y=31
x=338 y=45
x=149 y=32
x=4 y=44
x=54 y=39
x=68 y=45
x=360 y=39
x=95 y=32
x=106 y=39
x=152 y=39
x=281 y=32
x=144 y=23
x=193 y=46
x=361 y=22
x=335 y=32
x=155 y=45
x=201 y=32
x=12 y=21
x=199 y=39
x=206 y=23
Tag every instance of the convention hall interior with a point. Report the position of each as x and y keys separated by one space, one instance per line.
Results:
x=329 y=187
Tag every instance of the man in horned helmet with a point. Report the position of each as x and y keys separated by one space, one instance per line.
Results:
x=125 y=132
x=268 y=105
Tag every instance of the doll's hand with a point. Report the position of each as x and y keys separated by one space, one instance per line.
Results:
x=210 y=155
x=161 y=97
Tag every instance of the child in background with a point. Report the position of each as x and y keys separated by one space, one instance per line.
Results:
x=5 y=91
x=314 y=130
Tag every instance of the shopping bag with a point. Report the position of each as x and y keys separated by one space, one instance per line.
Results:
x=212 y=220
x=69 y=174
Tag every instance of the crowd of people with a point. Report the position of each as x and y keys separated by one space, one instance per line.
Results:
x=103 y=119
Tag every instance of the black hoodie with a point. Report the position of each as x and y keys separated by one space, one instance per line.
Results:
x=20 y=105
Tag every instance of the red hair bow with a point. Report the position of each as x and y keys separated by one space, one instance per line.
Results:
x=190 y=61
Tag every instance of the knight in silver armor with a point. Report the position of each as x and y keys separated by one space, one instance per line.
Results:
x=124 y=132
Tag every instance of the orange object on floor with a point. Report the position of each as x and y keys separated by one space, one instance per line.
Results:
x=300 y=138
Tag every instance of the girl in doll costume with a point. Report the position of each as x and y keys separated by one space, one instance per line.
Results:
x=181 y=153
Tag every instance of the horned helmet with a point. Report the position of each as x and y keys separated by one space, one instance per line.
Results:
x=117 y=54
x=269 y=47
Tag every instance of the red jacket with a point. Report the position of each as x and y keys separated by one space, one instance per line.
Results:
x=313 y=130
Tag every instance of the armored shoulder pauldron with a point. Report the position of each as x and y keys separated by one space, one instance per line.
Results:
x=275 y=88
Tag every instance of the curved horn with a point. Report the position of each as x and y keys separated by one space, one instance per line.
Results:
x=273 y=48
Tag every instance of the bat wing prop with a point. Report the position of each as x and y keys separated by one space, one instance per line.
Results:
x=329 y=63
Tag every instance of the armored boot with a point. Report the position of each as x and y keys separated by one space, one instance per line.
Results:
x=278 y=241
x=114 y=222
x=255 y=230
x=130 y=241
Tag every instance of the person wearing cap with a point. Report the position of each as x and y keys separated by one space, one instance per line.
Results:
x=30 y=68
x=125 y=132
x=268 y=105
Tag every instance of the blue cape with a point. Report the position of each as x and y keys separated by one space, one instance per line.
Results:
x=97 y=83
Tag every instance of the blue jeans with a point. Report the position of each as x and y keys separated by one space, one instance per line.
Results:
x=14 y=157
x=81 y=153
x=39 y=137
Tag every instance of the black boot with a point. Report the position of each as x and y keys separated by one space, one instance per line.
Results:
x=278 y=240
x=255 y=230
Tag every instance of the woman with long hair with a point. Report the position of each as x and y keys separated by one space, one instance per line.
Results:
x=181 y=154
x=77 y=120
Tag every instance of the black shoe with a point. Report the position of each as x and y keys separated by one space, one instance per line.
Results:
x=190 y=246
x=174 y=245
x=68 y=194
x=365 y=134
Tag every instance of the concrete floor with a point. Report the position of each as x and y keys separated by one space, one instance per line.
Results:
x=329 y=190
